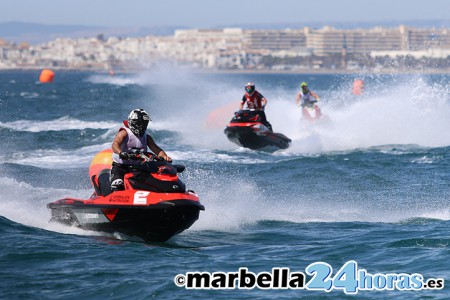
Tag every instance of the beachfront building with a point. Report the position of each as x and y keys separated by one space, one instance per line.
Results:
x=329 y=40
x=236 y=48
x=275 y=40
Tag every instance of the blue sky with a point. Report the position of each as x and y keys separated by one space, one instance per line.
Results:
x=208 y=13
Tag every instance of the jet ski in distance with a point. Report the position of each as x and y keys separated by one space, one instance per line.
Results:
x=311 y=112
x=154 y=206
x=246 y=130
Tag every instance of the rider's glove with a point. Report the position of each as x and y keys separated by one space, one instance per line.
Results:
x=124 y=155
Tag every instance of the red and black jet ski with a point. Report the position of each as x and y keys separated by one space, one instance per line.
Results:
x=154 y=206
x=246 y=130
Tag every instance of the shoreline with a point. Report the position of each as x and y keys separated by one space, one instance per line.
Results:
x=331 y=72
x=206 y=71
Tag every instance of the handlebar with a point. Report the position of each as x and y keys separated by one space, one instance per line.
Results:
x=144 y=157
x=308 y=103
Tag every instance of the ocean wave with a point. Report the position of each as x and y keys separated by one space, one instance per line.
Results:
x=58 y=158
x=119 y=80
x=27 y=205
x=63 y=123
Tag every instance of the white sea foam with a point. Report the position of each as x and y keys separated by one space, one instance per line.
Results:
x=159 y=73
x=22 y=203
x=232 y=203
x=58 y=158
x=403 y=116
x=407 y=112
x=119 y=80
x=63 y=123
x=208 y=156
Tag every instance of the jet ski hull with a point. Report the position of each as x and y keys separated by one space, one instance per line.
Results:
x=156 y=222
x=246 y=130
x=312 y=114
x=248 y=136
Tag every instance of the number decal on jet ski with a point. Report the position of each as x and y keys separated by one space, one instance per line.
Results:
x=140 y=197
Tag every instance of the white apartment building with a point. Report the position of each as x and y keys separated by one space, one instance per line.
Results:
x=234 y=48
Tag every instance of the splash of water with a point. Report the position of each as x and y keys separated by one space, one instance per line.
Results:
x=401 y=112
x=63 y=123
x=25 y=204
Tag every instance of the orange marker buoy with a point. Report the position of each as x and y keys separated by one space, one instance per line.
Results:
x=101 y=161
x=46 y=76
x=219 y=117
x=358 y=87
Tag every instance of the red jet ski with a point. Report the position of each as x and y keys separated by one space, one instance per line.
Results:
x=246 y=130
x=154 y=206
x=311 y=112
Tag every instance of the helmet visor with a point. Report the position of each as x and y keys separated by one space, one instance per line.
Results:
x=138 y=127
x=250 y=88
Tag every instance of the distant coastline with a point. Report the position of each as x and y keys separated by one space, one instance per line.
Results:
x=208 y=71
x=330 y=72
x=236 y=50
x=36 y=33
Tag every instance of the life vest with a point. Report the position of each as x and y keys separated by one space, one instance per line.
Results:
x=131 y=141
x=254 y=100
x=307 y=98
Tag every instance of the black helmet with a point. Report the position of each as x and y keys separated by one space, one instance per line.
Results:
x=250 y=87
x=138 y=121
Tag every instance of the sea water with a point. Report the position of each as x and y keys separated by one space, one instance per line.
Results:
x=369 y=185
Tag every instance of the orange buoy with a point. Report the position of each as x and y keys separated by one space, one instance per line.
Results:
x=101 y=161
x=358 y=87
x=47 y=76
x=219 y=117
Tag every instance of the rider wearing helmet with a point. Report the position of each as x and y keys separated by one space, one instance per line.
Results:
x=255 y=101
x=131 y=136
x=306 y=96
x=308 y=102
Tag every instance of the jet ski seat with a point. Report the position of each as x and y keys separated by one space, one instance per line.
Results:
x=103 y=188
